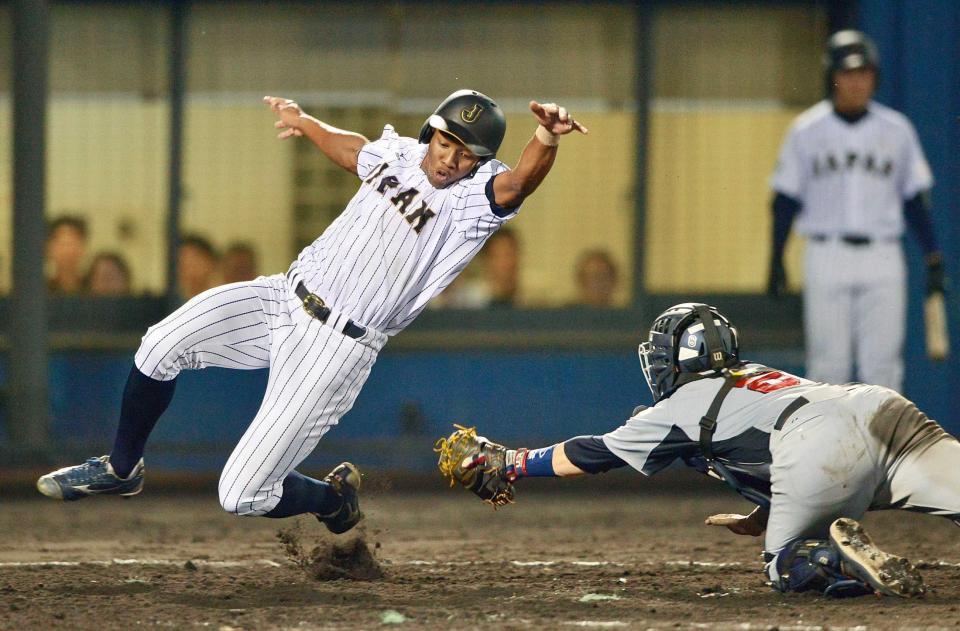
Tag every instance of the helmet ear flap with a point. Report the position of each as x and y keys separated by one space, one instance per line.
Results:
x=425 y=132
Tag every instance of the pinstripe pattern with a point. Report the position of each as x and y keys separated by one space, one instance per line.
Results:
x=371 y=263
x=378 y=263
x=224 y=326
x=316 y=373
x=319 y=385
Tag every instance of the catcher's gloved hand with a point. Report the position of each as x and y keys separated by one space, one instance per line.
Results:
x=484 y=467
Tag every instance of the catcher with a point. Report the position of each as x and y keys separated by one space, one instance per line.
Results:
x=813 y=457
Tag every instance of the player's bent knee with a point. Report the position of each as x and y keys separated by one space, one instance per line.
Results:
x=160 y=358
x=247 y=506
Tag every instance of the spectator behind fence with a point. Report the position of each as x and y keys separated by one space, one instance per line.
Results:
x=197 y=263
x=239 y=263
x=65 y=250
x=497 y=282
x=109 y=275
x=501 y=261
x=467 y=291
x=596 y=278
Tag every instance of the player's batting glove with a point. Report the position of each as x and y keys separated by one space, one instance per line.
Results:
x=936 y=281
x=477 y=464
x=777 y=281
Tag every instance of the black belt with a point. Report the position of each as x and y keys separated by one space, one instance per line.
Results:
x=798 y=403
x=318 y=309
x=850 y=239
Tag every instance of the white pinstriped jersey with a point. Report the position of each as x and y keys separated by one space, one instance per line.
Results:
x=851 y=178
x=400 y=241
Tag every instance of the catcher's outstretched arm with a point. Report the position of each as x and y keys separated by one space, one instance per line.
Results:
x=560 y=462
x=490 y=469
x=587 y=454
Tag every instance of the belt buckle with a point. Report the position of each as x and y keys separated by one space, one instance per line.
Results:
x=313 y=305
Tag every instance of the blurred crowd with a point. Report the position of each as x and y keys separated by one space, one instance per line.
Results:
x=71 y=269
x=493 y=281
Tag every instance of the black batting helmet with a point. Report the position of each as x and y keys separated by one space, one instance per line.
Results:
x=470 y=117
x=849 y=50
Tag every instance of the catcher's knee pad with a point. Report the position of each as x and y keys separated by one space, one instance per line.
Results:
x=812 y=564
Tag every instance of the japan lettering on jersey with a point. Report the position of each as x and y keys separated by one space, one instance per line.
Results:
x=851 y=178
x=400 y=241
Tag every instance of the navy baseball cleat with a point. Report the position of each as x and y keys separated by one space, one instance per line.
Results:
x=93 y=477
x=345 y=480
x=886 y=573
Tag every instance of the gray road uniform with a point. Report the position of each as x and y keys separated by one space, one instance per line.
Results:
x=814 y=452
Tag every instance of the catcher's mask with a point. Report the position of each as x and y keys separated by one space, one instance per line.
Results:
x=472 y=118
x=687 y=338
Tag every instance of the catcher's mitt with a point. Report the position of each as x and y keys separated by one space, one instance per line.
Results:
x=482 y=466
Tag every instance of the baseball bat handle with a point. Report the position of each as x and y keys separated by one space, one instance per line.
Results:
x=935 y=319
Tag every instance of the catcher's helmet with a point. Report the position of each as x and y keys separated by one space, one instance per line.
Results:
x=849 y=50
x=470 y=117
x=687 y=338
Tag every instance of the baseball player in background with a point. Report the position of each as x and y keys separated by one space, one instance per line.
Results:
x=425 y=207
x=813 y=457
x=852 y=172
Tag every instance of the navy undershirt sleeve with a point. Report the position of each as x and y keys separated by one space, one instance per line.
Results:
x=591 y=455
x=785 y=208
x=499 y=211
x=916 y=211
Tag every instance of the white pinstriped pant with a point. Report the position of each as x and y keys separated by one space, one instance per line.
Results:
x=854 y=305
x=316 y=374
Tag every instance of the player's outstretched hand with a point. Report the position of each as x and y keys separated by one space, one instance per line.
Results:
x=753 y=524
x=556 y=119
x=289 y=114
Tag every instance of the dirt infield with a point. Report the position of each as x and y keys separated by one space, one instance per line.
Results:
x=585 y=559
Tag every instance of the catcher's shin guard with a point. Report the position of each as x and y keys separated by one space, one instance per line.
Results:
x=813 y=564
x=848 y=564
